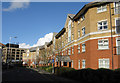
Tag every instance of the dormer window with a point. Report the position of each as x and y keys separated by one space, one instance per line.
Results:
x=82 y=18
x=102 y=8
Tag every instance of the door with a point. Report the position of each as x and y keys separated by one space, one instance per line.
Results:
x=69 y=64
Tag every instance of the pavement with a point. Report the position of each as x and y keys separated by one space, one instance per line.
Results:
x=21 y=74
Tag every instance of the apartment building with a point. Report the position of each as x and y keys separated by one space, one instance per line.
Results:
x=12 y=54
x=91 y=37
x=31 y=56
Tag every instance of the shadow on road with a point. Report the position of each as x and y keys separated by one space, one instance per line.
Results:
x=22 y=74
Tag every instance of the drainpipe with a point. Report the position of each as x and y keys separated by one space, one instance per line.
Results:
x=111 y=35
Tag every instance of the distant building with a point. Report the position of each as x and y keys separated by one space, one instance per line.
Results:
x=31 y=57
x=1 y=50
x=13 y=54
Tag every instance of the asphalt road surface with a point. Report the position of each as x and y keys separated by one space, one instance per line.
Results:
x=21 y=75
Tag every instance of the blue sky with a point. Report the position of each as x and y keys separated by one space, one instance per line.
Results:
x=35 y=20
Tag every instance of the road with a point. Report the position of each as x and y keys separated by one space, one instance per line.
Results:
x=20 y=74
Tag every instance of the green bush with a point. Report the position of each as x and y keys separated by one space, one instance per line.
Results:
x=91 y=75
x=62 y=70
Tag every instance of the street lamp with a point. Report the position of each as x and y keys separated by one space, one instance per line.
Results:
x=9 y=44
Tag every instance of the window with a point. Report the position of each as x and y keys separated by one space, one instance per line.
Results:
x=118 y=45
x=82 y=18
x=69 y=51
x=117 y=26
x=103 y=44
x=78 y=64
x=72 y=36
x=78 y=48
x=102 y=25
x=83 y=63
x=72 y=63
x=83 y=31
x=69 y=31
x=83 y=47
x=104 y=63
x=78 y=33
x=117 y=8
x=65 y=63
x=72 y=50
x=78 y=22
x=102 y=8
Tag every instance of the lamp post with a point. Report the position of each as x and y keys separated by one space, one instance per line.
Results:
x=9 y=44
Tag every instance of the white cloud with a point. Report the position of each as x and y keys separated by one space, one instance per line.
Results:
x=24 y=45
x=41 y=41
x=17 y=5
x=46 y=38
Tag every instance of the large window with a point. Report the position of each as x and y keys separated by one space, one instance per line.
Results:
x=104 y=63
x=83 y=63
x=117 y=25
x=69 y=31
x=83 y=31
x=102 y=8
x=83 y=47
x=102 y=25
x=69 y=51
x=103 y=44
x=78 y=48
x=117 y=7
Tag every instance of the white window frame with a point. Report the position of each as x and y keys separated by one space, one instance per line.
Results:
x=83 y=31
x=102 y=21
x=78 y=49
x=116 y=25
x=83 y=63
x=69 y=51
x=114 y=4
x=83 y=47
x=100 y=8
x=102 y=63
x=117 y=39
x=103 y=44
